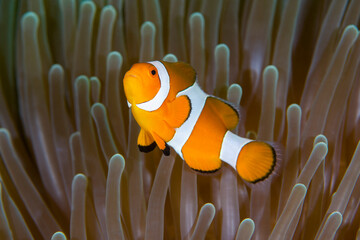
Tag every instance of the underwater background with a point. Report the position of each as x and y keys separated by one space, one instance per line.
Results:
x=69 y=163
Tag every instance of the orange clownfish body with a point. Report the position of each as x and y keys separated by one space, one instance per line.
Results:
x=172 y=110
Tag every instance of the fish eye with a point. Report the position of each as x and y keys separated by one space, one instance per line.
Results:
x=153 y=72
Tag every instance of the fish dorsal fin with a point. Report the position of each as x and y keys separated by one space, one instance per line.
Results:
x=182 y=76
x=225 y=110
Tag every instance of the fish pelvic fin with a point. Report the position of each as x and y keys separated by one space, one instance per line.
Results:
x=161 y=144
x=145 y=141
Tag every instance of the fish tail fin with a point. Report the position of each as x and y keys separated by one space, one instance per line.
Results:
x=256 y=161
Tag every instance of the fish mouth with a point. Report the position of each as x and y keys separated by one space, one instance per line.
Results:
x=131 y=75
x=131 y=86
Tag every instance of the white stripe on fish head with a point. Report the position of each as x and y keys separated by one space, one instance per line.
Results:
x=163 y=92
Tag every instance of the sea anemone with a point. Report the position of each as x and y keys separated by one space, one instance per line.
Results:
x=69 y=162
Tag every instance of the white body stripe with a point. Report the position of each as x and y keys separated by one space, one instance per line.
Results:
x=231 y=147
x=163 y=92
x=197 y=99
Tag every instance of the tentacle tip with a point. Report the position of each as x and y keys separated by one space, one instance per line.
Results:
x=30 y=19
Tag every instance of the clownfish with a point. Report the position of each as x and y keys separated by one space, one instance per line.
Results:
x=173 y=111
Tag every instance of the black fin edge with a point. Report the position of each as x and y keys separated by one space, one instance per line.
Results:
x=147 y=148
x=271 y=169
x=166 y=151
x=202 y=171
x=231 y=105
x=189 y=106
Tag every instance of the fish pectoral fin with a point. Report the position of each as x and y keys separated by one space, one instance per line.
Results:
x=179 y=111
x=225 y=110
x=161 y=144
x=145 y=141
